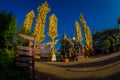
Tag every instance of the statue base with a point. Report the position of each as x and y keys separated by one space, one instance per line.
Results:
x=53 y=57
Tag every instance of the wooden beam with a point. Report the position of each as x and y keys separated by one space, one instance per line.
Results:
x=23 y=59
x=26 y=37
x=23 y=64
x=24 y=53
x=24 y=48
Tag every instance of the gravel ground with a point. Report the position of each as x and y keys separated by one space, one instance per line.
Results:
x=101 y=67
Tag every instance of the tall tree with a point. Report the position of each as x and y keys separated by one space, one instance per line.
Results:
x=78 y=31
x=52 y=33
x=39 y=29
x=26 y=28
x=7 y=29
x=87 y=33
x=7 y=35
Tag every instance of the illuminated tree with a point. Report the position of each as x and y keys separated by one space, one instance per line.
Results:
x=87 y=33
x=28 y=21
x=43 y=10
x=52 y=32
x=26 y=27
x=78 y=32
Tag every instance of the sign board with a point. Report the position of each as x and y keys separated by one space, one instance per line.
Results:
x=26 y=37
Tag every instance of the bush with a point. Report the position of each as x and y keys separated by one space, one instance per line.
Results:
x=6 y=59
x=107 y=44
x=8 y=24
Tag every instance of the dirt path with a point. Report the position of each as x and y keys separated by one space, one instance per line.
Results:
x=105 y=67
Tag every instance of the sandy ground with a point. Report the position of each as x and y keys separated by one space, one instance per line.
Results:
x=102 y=67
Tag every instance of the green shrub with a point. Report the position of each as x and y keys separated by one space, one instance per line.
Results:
x=107 y=44
x=6 y=59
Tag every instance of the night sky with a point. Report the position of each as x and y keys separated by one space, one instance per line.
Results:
x=99 y=14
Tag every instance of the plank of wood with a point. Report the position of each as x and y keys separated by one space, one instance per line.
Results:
x=24 y=53
x=26 y=37
x=44 y=45
x=23 y=64
x=23 y=58
x=24 y=48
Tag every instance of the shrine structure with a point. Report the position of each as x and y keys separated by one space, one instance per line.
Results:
x=77 y=49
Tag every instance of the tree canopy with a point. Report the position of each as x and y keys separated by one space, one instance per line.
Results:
x=8 y=25
x=112 y=34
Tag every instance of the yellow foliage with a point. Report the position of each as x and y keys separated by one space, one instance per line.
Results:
x=43 y=10
x=28 y=21
x=78 y=31
x=87 y=33
x=52 y=30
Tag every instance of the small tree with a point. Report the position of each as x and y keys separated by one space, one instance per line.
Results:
x=112 y=40
x=107 y=45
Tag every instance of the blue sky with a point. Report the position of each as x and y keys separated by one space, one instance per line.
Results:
x=99 y=14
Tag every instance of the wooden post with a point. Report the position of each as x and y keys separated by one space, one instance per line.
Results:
x=33 y=58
